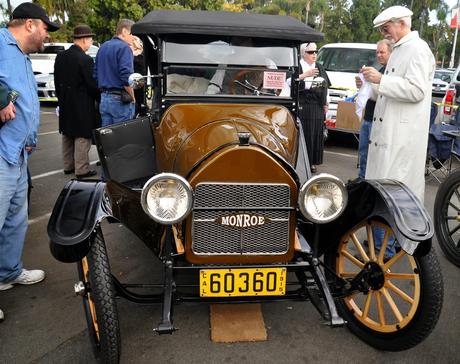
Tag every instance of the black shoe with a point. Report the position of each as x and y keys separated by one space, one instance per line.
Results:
x=88 y=174
x=70 y=171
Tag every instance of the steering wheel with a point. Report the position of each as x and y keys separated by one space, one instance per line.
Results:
x=241 y=79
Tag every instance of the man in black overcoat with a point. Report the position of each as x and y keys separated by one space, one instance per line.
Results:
x=77 y=92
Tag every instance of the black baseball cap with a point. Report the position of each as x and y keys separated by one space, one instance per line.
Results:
x=33 y=11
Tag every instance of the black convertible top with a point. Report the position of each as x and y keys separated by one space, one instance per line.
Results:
x=225 y=23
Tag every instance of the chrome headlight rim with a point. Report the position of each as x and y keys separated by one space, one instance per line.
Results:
x=165 y=176
x=306 y=186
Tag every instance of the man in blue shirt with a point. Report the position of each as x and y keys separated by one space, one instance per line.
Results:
x=26 y=33
x=112 y=68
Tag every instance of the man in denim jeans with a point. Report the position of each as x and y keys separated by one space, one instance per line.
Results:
x=384 y=48
x=112 y=68
x=26 y=33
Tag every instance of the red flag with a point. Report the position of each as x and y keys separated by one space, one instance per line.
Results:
x=454 y=19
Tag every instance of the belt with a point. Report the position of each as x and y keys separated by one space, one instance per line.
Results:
x=114 y=91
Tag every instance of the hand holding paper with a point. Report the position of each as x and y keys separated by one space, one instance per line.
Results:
x=363 y=95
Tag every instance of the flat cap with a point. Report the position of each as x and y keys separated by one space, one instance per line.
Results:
x=33 y=11
x=390 y=14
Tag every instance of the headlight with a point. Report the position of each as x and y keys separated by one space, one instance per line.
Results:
x=323 y=198
x=167 y=198
x=50 y=84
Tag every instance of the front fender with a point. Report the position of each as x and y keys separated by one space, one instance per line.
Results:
x=386 y=200
x=80 y=206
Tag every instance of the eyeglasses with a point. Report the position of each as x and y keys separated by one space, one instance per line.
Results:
x=311 y=52
x=384 y=28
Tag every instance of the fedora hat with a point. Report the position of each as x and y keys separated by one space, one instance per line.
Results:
x=82 y=31
x=33 y=11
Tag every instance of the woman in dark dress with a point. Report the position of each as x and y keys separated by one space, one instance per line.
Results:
x=313 y=104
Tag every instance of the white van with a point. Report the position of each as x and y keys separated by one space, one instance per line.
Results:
x=43 y=62
x=342 y=61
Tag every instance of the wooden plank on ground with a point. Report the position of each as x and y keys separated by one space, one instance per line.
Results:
x=237 y=322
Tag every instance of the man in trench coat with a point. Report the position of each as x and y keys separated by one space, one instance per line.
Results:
x=399 y=137
x=77 y=92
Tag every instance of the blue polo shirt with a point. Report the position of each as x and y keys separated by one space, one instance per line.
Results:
x=114 y=64
x=16 y=74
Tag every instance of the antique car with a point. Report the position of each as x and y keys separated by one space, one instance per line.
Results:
x=215 y=181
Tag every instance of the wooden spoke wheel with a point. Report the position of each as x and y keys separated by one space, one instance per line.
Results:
x=447 y=217
x=400 y=297
x=99 y=302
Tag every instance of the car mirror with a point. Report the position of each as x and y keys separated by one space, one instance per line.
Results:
x=136 y=80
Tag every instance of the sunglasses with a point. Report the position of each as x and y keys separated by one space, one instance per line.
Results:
x=311 y=52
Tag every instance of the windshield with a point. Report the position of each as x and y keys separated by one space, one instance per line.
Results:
x=222 y=52
x=443 y=75
x=53 y=49
x=235 y=66
x=224 y=80
x=347 y=59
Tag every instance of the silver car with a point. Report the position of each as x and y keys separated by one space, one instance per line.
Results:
x=442 y=78
x=43 y=67
x=45 y=87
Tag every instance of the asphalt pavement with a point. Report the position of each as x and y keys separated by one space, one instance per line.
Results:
x=45 y=322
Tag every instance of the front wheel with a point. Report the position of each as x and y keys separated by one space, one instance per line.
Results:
x=447 y=217
x=399 y=299
x=99 y=301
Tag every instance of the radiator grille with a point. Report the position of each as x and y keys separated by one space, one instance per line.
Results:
x=209 y=237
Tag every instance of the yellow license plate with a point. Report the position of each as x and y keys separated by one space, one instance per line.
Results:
x=242 y=282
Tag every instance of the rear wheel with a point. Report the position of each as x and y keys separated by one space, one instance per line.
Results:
x=447 y=217
x=99 y=302
x=399 y=300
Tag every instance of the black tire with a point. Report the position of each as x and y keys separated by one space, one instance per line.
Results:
x=447 y=217
x=99 y=302
x=413 y=284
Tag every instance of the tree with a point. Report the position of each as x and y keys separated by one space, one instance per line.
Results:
x=337 y=22
x=105 y=15
x=362 y=13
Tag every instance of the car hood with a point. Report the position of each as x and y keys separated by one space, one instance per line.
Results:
x=189 y=133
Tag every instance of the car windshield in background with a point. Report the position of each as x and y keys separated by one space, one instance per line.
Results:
x=443 y=75
x=347 y=59
x=54 y=49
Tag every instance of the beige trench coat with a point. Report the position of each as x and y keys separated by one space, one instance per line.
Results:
x=399 y=136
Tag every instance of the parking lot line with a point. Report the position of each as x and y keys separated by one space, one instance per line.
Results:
x=40 y=218
x=49 y=132
x=341 y=154
x=51 y=173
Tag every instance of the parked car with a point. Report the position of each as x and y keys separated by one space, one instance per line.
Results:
x=343 y=62
x=215 y=182
x=45 y=87
x=43 y=67
x=451 y=99
x=441 y=81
